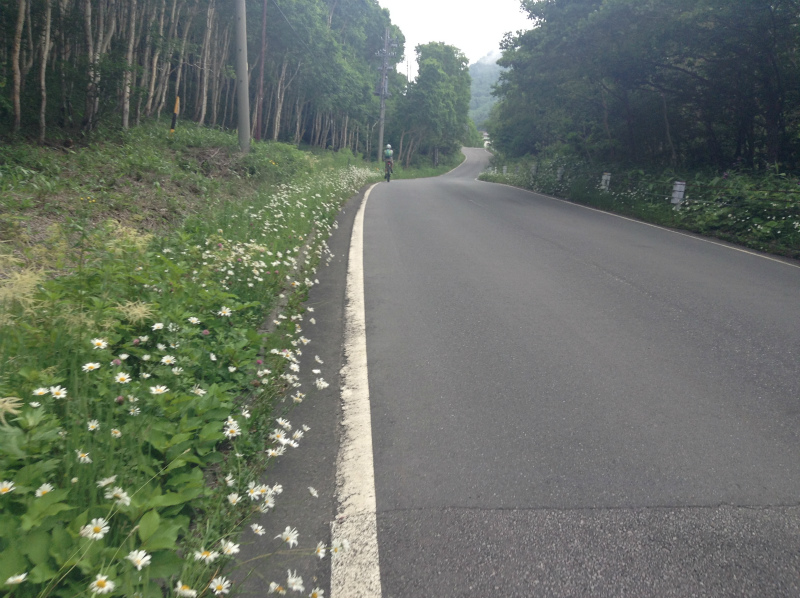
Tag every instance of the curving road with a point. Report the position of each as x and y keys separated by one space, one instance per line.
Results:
x=570 y=403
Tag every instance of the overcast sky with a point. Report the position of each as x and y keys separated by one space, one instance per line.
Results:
x=475 y=28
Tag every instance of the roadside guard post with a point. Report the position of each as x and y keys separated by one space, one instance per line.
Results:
x=175 y=114
x=678 y=190
x=605 y=182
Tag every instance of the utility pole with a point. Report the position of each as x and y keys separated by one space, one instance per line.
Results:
x=383 y=86
x=242 y=78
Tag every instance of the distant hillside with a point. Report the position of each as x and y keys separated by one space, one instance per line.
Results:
x=484 y=74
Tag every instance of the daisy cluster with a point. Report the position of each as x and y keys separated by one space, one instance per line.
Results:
x=155 y=398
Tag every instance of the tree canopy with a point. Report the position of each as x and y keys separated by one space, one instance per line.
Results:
x=432 y=116
x=693 y=82
x=70 y=64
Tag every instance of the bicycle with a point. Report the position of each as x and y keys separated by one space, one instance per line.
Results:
x=388 y=171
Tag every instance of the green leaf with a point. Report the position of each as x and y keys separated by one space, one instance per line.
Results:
x=36 y=546
x=12 y=562
x=46 y=506
x=61 y=544
x=212 y=431
x=164 y=538
x=8 y=525
x=165 y=563
x=158 y=439
x=148 y=525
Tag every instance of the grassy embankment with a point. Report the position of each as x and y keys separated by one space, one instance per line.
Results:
x=761 y=212
x=415 y=172
x=138 y=381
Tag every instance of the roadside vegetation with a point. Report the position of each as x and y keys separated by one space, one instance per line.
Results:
x=150 y=322
x=761 y=212
x=657 y=92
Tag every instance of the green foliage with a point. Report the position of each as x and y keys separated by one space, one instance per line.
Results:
x=432 y=116
x=762 y=212
x=472 y=138
x=664 y=82
x=147 y=383
x=484 y=74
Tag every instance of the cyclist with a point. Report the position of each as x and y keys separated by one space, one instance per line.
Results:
x=387 y=157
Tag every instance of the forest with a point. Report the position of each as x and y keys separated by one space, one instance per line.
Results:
x=662 y=83
x=70 y=66
x=485 y=74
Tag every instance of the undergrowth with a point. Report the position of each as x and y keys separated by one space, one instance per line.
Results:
x=138 y=383
x=758 y=211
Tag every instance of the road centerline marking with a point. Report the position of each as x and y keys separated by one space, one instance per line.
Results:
x=355 y=572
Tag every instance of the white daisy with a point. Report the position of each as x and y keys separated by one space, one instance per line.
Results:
x=16 y=579
x=258 y=529
x=320 y=550
x=119 y=495
x=106 y=481
x=44 y=489
x=206 y=556
x=58 y=392
x=294 y=581
x=181 y=589
x=220 y=585
x=99 y=343
x=96 y=529
x=101 y=585
x=139 y=559
x=289 y=536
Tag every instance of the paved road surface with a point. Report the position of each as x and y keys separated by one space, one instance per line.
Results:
x=569 y=403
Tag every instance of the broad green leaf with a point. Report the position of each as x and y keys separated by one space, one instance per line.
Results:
x=164 y=538
x=12 y=562
x=165 y=564
x=36 y=546
x=148 y=525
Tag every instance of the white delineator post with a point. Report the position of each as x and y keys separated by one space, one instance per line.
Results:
x=678 y=189
x=605 y=182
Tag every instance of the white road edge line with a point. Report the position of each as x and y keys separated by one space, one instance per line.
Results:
x=355 y=572
x=669 y=230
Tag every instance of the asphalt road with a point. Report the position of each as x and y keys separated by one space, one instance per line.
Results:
x=569 y=403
